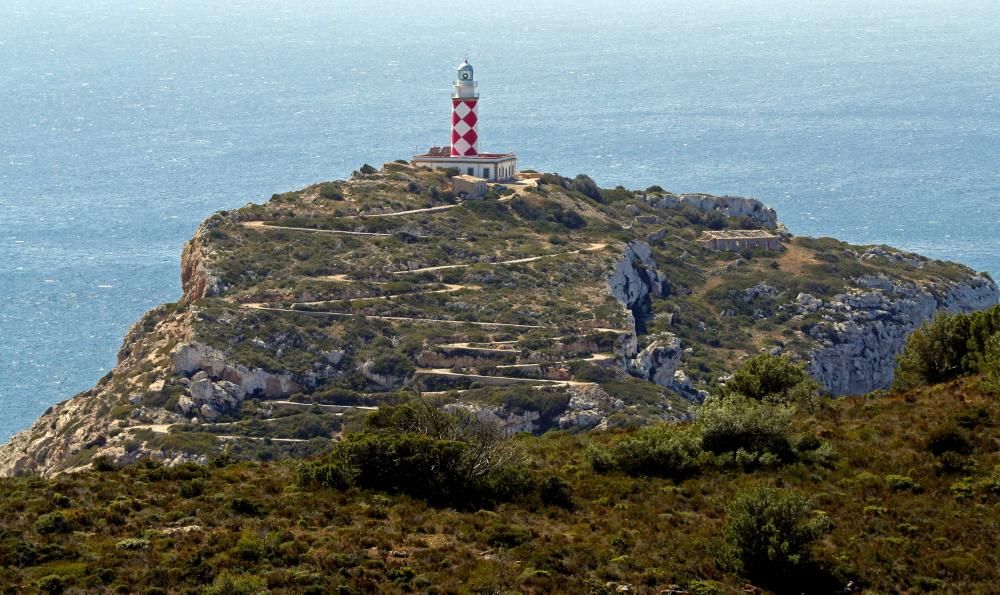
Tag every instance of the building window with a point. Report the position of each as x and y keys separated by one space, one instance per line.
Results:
x=486 y=173
x=472 y=171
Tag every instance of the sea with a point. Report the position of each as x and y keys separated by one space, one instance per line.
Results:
x=124 y=123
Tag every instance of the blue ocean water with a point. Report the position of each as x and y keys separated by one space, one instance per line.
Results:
x=125 y=122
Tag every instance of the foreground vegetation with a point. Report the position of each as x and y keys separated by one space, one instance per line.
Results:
x=768 y=488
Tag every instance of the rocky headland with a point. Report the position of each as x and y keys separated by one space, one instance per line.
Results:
x=550 y=304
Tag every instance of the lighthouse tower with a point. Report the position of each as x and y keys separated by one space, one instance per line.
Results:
x=464 y=138
x=463 y=151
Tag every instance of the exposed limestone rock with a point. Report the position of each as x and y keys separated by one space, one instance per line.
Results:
x=511 y=422
x=731 y=206
x=589 y=407
x=193 y=357
x=212 y=399
x=196 y=279
x=387 y=382
x=760 y=290
x=863 y=331
x=658 y=361
x=635 y=277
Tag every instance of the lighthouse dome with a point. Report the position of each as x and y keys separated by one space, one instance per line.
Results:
x=465 y=71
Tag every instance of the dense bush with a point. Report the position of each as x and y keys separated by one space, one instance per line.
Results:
x=757 y=431
x=662 y=450
x=547 y=211
x=770 y=532
x=53 y=522
x=729 y=431
x=447 y=458
x=416 y=464
x=775 y=379
x=949 y=346
x=586 y=186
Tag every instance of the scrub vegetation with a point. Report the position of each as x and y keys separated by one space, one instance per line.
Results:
x=885 y=493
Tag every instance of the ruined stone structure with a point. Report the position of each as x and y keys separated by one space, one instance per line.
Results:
x=468 y=187
x=734 y=240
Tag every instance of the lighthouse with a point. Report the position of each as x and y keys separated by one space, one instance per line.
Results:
x=464 y=137
x=463 y=152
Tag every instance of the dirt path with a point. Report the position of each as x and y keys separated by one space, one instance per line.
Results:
x=339 y=408
x=401 y=213
x=397 y=318
x=497 y=380
x=260 y=225
x=449 y=288
x=594 y=357
x=589 y=248
x=263 y=438
x=158 y=428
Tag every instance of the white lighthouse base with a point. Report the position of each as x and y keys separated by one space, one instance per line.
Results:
x=495 y=167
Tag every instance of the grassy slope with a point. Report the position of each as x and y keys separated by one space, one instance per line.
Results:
x=251 y=518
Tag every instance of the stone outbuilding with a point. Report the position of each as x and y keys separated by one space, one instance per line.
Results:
x=468 y=187
x=735 y=240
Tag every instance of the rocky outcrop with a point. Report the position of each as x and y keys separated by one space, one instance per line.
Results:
x=730 y=206
x=634 y=279
x=589 y=407
x=635 y=276
x=197 y=281
x=189 y=358
x=659 y=360
x=382 y=381
x=511 y=422
x=861 y=332
x=211 y=399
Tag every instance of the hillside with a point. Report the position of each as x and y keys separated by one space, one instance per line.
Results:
x=920 y=516
x=550 y=304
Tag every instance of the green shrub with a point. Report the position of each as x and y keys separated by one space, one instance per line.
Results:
x=770 y=532
x=412 y=463
x=737 y=424
x=661 y=450
x=231 y=583
x=452 y=458
x=53 y=522
x=507 y=536
x=555 y=492
x=325 y=475
x=774 y=379
x=949 y=346
x=949 y=438
x=600 y=459
x=51 y=584
x=990 y=365
x=902 y=483
x=246 y=507
x=585 y=186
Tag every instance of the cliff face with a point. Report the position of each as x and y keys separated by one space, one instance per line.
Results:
x=68 y=435
x=863 y=331
x=543 y=307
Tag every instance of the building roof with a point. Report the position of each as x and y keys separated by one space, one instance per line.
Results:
x=471 y=179
x=738 y=234
x=439 y=153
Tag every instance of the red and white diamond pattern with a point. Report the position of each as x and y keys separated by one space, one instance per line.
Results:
x=464 y=140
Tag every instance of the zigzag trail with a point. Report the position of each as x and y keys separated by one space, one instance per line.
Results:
x=494 y=347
